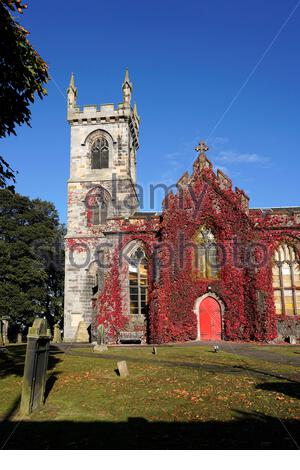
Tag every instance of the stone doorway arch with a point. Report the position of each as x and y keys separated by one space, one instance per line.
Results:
x=209 y=310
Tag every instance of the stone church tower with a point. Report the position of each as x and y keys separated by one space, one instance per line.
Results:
x=104 y=144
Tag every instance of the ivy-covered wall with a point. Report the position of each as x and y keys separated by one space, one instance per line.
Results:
x=246 y=239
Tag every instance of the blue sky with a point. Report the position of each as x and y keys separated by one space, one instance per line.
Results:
x=187 y=61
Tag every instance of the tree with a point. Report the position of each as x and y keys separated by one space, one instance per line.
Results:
x=22 y=74
x=31 y=260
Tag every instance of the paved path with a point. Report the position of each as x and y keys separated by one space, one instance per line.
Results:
x=258 y=352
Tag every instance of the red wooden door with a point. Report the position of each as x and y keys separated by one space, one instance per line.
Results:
x=210 y=319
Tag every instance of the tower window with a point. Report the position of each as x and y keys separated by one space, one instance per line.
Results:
x=99 y=212
x=93 y=277
x=98 y=206
x=286 y=281
x=100 y=154
x=205 y=255
x=138 y=282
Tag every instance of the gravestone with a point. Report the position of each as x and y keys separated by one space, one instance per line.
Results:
x=82 y=335
x=292 y=339
x=19 y=338
x=5 y=332
x=122 y=368
x=100 y=346
x=154 y=350
x=57 y=334
x=35 y=369
x=1 y=332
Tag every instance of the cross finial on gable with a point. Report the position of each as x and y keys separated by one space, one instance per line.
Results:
x=202 y=147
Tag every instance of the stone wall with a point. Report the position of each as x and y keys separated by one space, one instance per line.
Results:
x=288 y=327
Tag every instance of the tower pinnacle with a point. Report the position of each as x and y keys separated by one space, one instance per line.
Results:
x=72 y=92
x=127 y=88
x=135 y=112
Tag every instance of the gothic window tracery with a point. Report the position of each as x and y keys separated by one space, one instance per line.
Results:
x=138 y=282
x=100 y=154
x=286 y=281
x=99 y=212
x=205 y=255
x=98 y=204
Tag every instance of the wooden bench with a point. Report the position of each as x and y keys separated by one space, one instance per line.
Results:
x=131 y=337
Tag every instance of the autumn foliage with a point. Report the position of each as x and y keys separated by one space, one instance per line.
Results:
x=246 y=240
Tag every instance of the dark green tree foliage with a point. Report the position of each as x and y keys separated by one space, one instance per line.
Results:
x=31 y=260
x=22 y=74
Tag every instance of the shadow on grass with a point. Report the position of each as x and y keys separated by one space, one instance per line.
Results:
x=50 y=384
x=13 y=362
x=291 y=389
x=247 y=431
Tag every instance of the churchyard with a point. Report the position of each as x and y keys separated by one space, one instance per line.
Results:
x=187 y=397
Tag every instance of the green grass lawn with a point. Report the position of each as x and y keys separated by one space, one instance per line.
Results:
x=183 y=397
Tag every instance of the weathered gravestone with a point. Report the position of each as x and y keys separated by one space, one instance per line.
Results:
x=292 y=339
x=19 y=338
x=5 y=332
x=35 y=369
x=82 y=334
x=100 y=346
x=57 y=334
x=1 y=334
x=122 y=368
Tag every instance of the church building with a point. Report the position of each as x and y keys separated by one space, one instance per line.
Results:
x=208 y=267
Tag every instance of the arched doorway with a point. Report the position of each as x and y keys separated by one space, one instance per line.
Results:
x=210 y=319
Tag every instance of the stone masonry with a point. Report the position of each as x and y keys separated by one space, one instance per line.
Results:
x=120 y=127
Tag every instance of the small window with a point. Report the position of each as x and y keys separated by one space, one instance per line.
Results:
x=93 y=276
x=99 y=212
x=100 y=154
x=286 y=281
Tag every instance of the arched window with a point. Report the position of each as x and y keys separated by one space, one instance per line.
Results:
x=286 y=281
x=100 y=154
x=97 y=203
x=99 y=212
x=93 y=277
x=205 y=261
x=138 y=282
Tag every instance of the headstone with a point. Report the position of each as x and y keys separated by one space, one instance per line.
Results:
x=1 y=334
x=5 y=332
x=19 y=338
x=82 y=335
x=216 y=349
x=57 y=334
x=101 y=334
x=122 y=368
x=100 y=346
x=154 y=350
x=35 y=369
x=292 y=339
